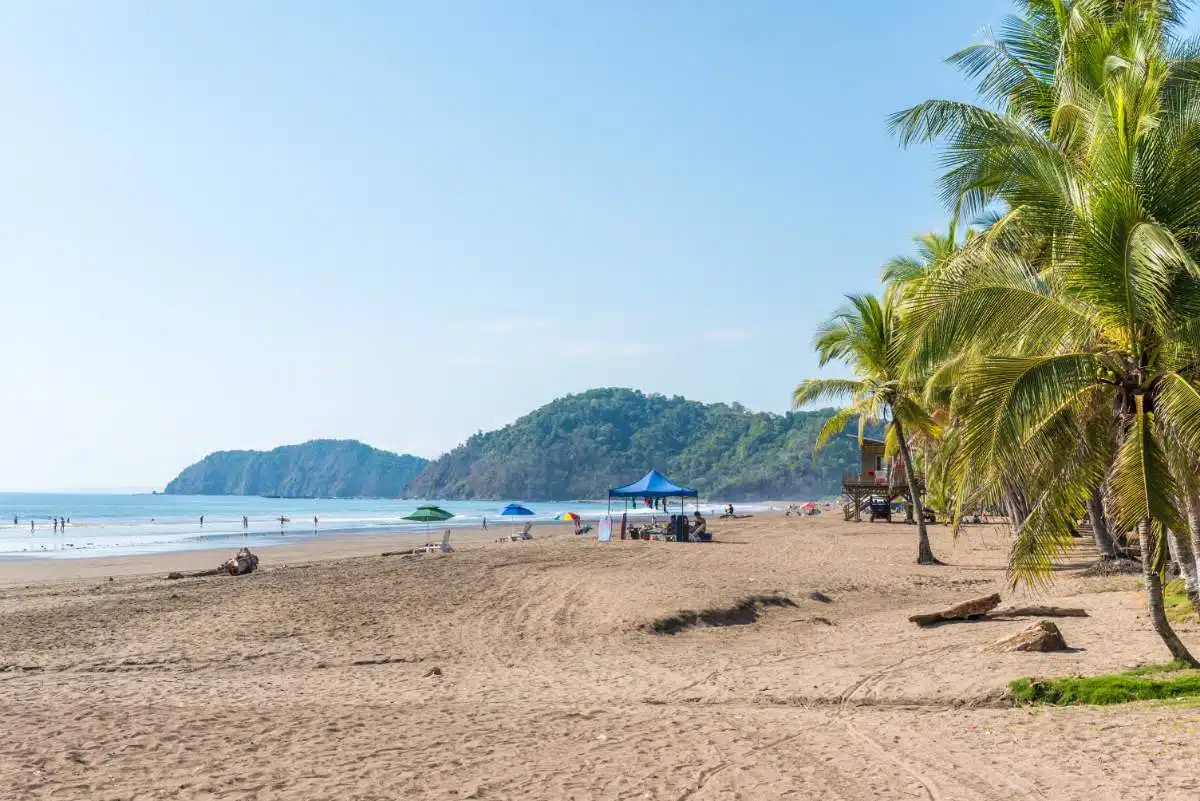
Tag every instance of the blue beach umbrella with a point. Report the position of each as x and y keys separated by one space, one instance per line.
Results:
x=516 y=510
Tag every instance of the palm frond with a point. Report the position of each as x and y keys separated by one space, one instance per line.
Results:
x=1178 y=403
x=817 y=390
x=1142 y=485
x=834 y=426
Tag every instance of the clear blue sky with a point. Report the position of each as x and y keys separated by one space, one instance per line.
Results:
x=244 y=224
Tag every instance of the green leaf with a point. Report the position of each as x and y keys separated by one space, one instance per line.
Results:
x=1142 y=485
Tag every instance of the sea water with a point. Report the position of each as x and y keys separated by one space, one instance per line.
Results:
x=103 y=525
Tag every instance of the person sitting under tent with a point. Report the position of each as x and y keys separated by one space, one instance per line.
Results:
x=700 y=528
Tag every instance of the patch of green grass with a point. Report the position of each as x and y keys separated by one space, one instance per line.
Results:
x=1175 y=601
x=1117 y=688
x=1155 y=670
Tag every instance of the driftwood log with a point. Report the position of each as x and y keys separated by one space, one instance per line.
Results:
x=979 y=608
x=175 y=574
x=1042 y=636
x=240 y=564
x=1039 y=611
x=968 y=610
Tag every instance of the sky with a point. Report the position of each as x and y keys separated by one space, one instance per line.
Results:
x=241 y=224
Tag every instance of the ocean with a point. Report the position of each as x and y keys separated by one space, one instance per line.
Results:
x=105 y=525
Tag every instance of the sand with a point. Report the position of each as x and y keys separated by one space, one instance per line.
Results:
x=520 y=671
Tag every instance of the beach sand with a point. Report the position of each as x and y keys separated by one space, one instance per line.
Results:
x=520 y=671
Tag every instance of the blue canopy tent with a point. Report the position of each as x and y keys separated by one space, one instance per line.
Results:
x=652 y=485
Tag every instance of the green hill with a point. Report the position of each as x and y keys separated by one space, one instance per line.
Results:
x=579 y=445
x=322 y=468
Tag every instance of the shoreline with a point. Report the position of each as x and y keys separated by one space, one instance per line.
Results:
x=21 y=569
x=105 y=542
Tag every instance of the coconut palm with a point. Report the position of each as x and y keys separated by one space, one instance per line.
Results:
x=1087 y=346
x=904 y=277
x=906 y=274
x=868 y=336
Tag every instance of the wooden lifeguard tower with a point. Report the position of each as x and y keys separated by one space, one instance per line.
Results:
x=876 y=478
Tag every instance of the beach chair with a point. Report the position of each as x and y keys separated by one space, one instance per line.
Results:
x=525 y=535
x=442 y=547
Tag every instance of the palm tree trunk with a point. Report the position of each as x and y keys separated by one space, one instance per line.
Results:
x=1191 y=503
x=1183 y=555
x=1154 y=598
x=924 y=551
x=1100 y=531
x=1016 y=506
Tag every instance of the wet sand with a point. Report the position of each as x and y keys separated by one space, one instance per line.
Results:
x=523 y=671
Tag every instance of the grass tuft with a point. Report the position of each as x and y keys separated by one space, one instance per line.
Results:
x=1157 y=670
x=1175 y=601
x=1177 y=681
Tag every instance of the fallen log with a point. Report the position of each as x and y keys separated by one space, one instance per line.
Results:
x=175 y=574
x=968 y=610
x=1039 y=611
x=240 y=564
x=409 y=552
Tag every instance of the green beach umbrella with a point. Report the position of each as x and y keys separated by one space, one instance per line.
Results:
x=429 y=514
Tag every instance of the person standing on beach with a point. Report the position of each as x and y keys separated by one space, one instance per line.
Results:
x=245 y=522
x=485 y=522
x=31 y=525
x=201 y=521
x=314 y=522
x=55 y=523
x=16 y=522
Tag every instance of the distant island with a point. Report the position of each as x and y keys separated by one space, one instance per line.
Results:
x=322 y=468
x=574 y=447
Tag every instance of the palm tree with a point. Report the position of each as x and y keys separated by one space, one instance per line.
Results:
x=905 y=275
x=868 y=336
x=1087 y=345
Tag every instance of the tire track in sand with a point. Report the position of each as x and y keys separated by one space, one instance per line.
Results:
x=918 y=771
